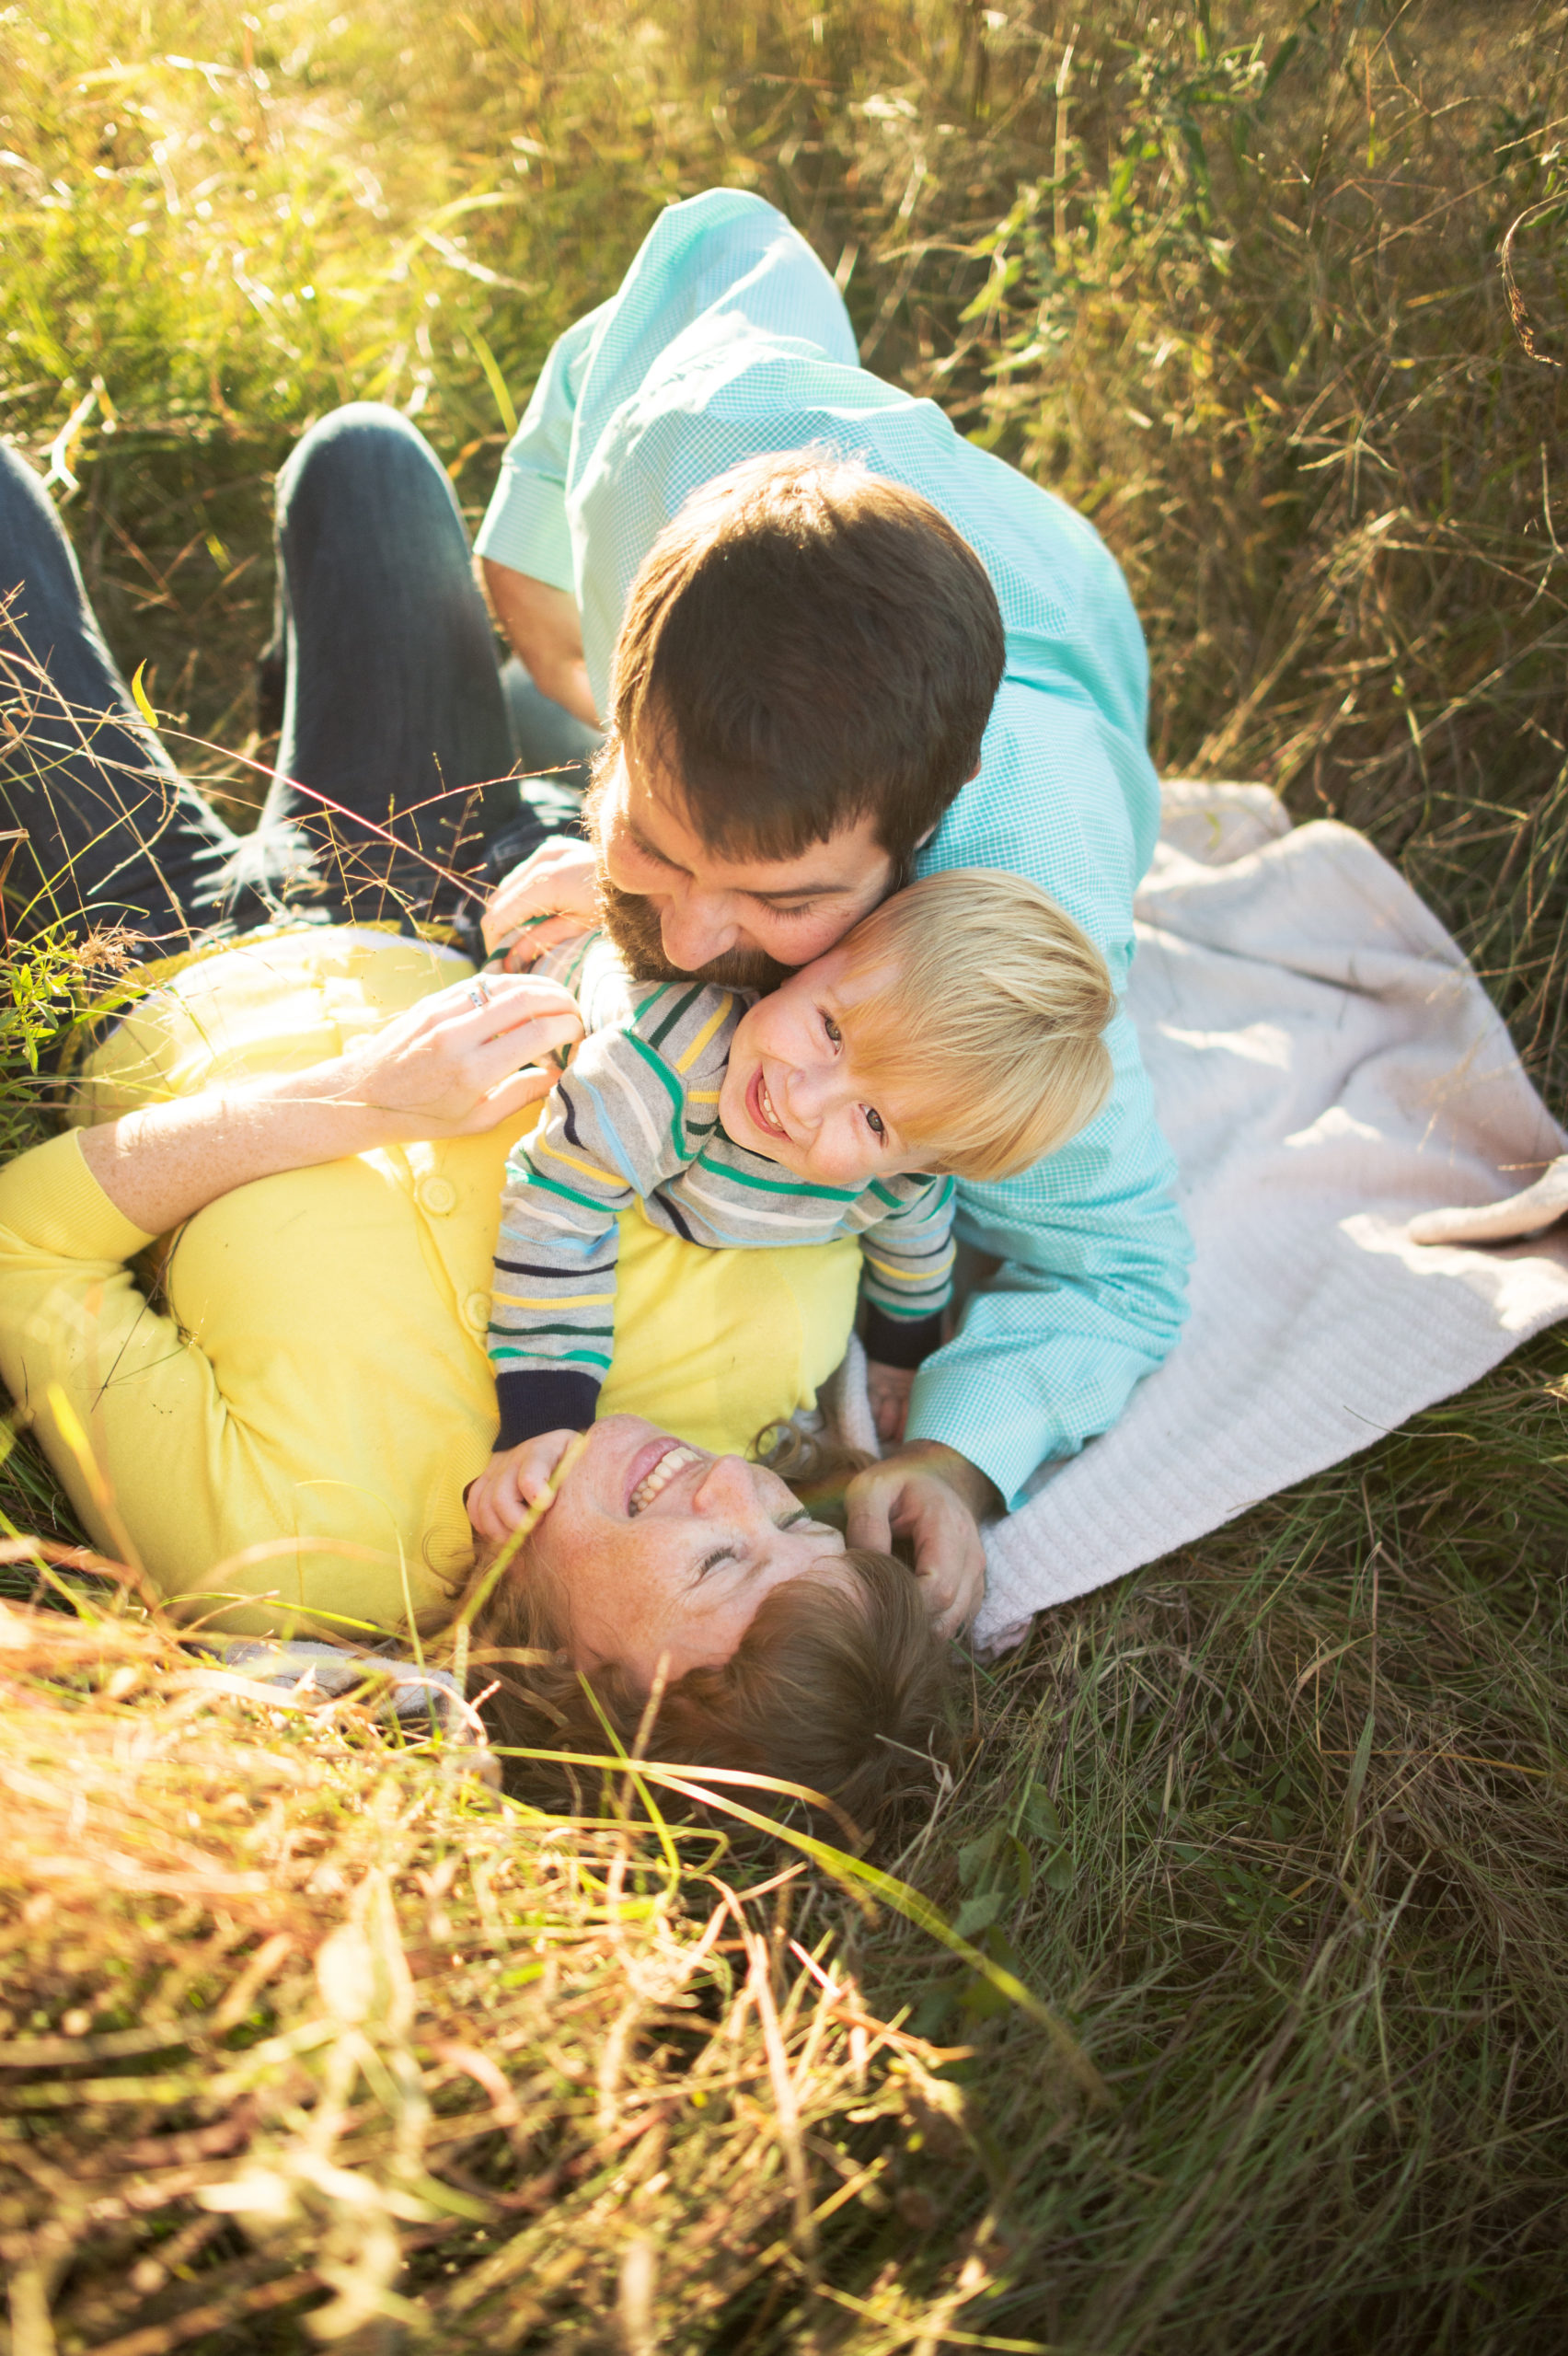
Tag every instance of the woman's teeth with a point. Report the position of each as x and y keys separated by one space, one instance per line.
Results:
x=674 y=1460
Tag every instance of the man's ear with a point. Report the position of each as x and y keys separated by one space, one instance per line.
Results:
x=922 y=840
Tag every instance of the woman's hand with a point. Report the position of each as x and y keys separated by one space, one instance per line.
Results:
x=514 y=1479
x=553 y=894
x=460 y=1061
x=452 y=1067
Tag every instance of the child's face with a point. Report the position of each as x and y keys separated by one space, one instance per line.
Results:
x=792 y=1091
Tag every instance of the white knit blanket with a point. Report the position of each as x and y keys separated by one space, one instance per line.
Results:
x=1326 y=1067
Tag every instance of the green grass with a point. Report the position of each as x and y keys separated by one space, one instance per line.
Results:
x=1278 y=1823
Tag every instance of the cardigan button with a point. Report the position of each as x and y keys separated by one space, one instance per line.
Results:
x=476 y=1311
x=437 y=1195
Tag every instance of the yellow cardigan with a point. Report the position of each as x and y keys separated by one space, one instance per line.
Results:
x=293 y=1419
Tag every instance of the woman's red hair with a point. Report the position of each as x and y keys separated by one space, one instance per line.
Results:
x=842 y=1694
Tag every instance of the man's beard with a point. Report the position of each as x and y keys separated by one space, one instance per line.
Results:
x=633 y=923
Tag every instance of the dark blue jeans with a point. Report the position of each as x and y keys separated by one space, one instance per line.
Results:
x=397 y=793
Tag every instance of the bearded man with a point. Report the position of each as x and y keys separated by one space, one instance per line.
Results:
x=757 y=563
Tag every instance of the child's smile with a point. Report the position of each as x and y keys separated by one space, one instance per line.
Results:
x=759 y=1105
x=792 y=1091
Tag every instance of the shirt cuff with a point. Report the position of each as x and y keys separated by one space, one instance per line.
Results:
x=50 y=1196
x=901 y=1341
x=525 y=528
x=1007 y=1435
x=536 y=1399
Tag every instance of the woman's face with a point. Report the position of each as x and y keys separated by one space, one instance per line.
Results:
x=664 y=1552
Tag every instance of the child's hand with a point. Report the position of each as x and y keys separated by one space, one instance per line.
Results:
x=514 y=1479
x=889 y=1387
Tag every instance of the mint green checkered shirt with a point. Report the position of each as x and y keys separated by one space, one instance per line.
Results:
x=726 y=339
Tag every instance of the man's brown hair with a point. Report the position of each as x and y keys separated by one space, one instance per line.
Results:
x=807 y=645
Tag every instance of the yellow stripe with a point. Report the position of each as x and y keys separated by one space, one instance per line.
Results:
x=927 y=1276
x=703 y=1036
x=702 y=1096
x=572 y=1301
x=589 y=1169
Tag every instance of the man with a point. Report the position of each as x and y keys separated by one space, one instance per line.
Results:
x=727 y=343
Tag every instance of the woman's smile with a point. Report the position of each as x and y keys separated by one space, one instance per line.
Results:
x=714 y=1534
x=669 y=1457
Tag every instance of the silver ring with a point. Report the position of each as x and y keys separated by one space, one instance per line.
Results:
x=477 y=994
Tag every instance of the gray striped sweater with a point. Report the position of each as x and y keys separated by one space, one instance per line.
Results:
x=636 y=1119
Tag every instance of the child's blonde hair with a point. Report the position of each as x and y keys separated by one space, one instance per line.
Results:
x=990 y=1026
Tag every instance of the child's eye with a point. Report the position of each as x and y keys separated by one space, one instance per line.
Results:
x=874 y=1121
x=832 y=1029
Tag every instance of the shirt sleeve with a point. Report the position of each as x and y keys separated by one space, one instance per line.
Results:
x=908 y=1281
x=1089 y=1298
x=1091 y=1291
x=128 y=1410
x=637 y=1105
x=525 y=523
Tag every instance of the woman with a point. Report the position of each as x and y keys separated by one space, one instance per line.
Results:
x=318 y=1115
x=774 y=1646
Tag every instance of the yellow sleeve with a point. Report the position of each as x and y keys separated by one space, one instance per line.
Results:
x=127 y=1410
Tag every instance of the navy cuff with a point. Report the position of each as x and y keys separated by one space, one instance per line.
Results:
x=531 y=1402
x=901 y=1341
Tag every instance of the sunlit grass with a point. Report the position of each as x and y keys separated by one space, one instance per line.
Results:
x=1275 y=1827
x=300 y=2024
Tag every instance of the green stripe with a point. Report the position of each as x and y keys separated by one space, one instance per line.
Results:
x=654 y=995
x=554 y=1186
x=671 y=1087
x=774 y=1186
x=567 y=1358
x=573 y=1332
x=911 y=1202
x=656 y=1038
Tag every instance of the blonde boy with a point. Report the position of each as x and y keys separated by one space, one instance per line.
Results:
x=955 y=1032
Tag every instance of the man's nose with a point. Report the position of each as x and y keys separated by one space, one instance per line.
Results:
x=696 y=928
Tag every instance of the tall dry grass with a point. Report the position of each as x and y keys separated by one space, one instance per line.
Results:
x=308 y=2038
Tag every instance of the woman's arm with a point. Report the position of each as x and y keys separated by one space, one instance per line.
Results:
x=454 y=1066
